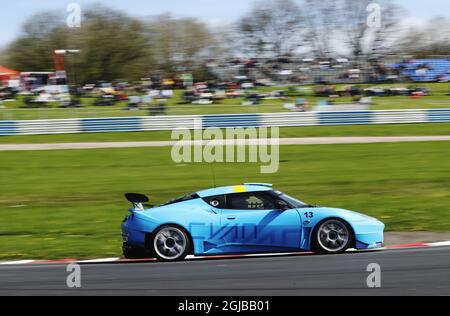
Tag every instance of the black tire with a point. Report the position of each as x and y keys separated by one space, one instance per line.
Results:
x=170 y=243
x=319 y=246
x=132 y=252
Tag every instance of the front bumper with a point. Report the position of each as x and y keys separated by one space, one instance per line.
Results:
x=370 y=235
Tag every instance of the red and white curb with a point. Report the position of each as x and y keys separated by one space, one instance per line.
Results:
x=120 y=260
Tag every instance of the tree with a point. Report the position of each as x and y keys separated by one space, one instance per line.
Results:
x=3 y=56
x=361 y=37
x=272 y=29
x=179 y=45
x=41 y=34
x=357 y=28
x=112 y=45
x=320 y=21
x=431 y=39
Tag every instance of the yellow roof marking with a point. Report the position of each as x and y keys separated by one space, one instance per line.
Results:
x=239 y=189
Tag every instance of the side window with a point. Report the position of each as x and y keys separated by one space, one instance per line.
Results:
x=251 y=201
x=216 y=201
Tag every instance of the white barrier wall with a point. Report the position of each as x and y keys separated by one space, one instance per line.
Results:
x=161 y=123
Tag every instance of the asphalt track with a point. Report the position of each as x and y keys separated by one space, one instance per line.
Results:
x=404 y=272
x=240 y=142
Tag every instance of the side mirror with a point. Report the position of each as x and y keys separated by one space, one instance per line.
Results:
x=281 y=205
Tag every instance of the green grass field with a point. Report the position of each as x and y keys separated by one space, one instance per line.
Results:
x=63 y=204
x=440 y=98
x=434 y=129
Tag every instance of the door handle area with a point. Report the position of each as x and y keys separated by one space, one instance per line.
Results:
x=231 y=218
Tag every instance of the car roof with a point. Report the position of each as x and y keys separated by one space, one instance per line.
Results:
x=235 y=189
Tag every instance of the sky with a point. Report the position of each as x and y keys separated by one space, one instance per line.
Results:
x=216 y=12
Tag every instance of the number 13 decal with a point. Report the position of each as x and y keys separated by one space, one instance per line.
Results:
x=309 y=214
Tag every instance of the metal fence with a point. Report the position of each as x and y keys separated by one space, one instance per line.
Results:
x=163 y=123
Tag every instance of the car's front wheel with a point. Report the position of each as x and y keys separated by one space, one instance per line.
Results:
x=332 y=236
x=171 y=243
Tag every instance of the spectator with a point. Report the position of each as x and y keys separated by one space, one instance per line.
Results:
x=133 y=103
x=301 y=105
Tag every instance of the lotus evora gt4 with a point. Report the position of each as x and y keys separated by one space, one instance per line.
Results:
x=243 y=219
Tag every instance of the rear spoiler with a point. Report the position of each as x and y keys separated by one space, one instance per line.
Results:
x=137 y=200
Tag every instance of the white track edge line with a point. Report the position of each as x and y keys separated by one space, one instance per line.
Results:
x=107 y=260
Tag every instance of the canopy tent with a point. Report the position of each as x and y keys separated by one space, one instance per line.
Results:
x=6 y=73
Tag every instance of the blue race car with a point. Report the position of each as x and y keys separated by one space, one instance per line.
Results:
x=243 y=219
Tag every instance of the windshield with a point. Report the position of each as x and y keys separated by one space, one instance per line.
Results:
x=290 y=200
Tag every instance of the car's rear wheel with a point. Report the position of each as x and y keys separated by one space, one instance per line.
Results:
x=171 y=243
x=332 y=236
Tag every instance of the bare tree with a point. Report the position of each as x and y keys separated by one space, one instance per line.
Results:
x=431 y=39
x=280 y=27
x=271 y=29
x=320 y=21
x=360 y=37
